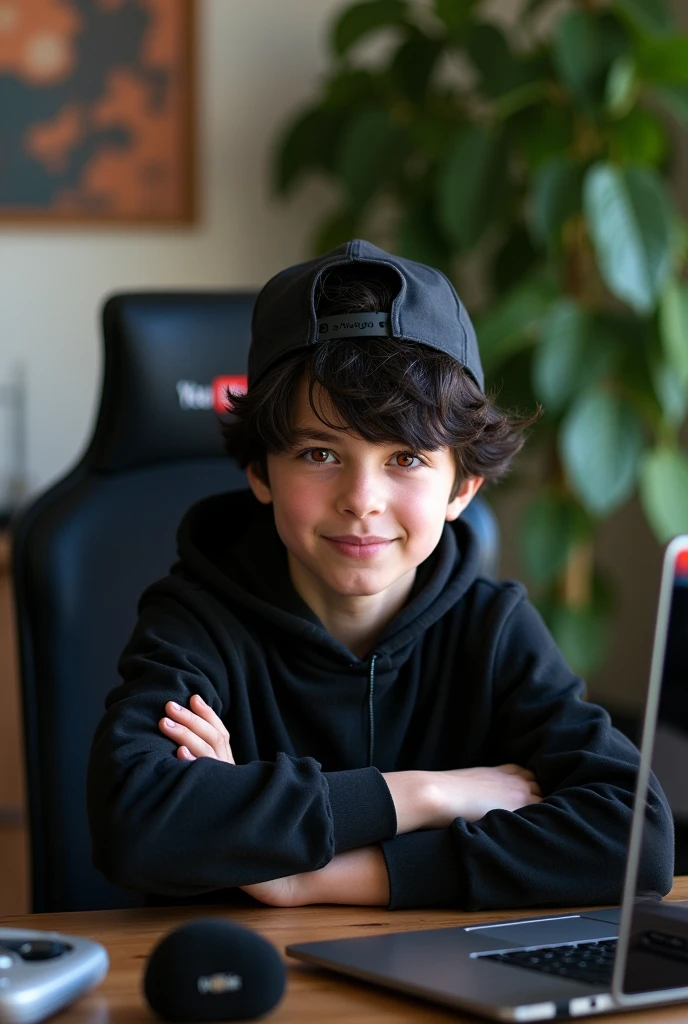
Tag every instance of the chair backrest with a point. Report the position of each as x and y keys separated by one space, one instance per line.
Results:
x=86 y=548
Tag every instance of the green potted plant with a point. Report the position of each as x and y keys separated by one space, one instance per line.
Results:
x=544 y=152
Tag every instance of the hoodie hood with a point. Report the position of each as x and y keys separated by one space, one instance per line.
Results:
x=229 y=543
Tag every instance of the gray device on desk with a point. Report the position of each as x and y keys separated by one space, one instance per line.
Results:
x=40 y=972
x=566 y=965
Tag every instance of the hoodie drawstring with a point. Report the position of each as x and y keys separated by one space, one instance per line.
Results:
x=371 y=711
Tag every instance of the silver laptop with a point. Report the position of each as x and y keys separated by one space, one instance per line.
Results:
x=567 y=965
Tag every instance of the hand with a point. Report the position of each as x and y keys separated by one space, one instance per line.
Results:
x=198 y=731
x=470 y=793
x=204 y=735
x=356 y=877
x=278 y=892
x=426 y=799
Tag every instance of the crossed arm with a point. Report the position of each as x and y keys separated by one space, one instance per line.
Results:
x=422 y=799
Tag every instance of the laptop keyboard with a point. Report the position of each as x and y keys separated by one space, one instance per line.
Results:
x=586 y=961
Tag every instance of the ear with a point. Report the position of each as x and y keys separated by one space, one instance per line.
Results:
x=464 y=496
x=258 y=486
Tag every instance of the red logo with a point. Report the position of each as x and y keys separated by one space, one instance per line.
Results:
x=682 y=562
x=221 y=385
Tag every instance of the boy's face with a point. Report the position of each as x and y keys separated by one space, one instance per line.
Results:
x=336 y=492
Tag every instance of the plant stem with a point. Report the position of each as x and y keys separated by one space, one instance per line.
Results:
x=576 y=582
x=574 y=260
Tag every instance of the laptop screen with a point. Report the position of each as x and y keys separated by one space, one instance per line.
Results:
x=653 y=938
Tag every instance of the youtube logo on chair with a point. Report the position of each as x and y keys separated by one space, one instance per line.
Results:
x=223 y=387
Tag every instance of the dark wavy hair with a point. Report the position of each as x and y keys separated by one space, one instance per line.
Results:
x=383 y=390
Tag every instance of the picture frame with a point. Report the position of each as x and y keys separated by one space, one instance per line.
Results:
x=98 y=101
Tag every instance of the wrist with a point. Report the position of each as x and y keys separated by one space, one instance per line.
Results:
x=416 y=799
x=310 y=885
x=357 y=876
x=433 y=802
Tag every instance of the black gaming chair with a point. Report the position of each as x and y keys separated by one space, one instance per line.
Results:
x=87 y=547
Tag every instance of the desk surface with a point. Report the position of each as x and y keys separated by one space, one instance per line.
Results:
x=312 y=995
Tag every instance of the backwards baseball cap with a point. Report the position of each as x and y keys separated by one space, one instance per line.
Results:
x=426 y=310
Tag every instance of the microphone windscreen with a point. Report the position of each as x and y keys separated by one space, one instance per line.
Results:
x=212 y=969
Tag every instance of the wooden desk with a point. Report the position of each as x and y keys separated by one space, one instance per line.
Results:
x=312 y=995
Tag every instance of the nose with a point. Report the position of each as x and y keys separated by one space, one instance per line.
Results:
x=362 y=493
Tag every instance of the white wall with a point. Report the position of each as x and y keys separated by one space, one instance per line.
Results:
x=258 y=61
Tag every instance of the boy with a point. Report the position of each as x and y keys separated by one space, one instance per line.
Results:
x=324 y=701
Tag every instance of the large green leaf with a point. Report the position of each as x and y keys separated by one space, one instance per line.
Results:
x=671 y=392
x=585 y=47
x=638 y=138
x=600 y=443
x=648 y=15
x=578 y=52
x=455 y=14
x=470 y=183
x=510 y=325
x=412 y=66
x=543 y=132
x=549 y=528
x=530 y=94
x=675 y=97
x=615 y=42
x=556 y=196
x=370 y=148
x=664 y=492
x=515 y=259
x=490 y=54
x=664 y=61
x=420 y=239
x=309 y=143
x=634 y=340
x=622 y=86
x=361 y=19
x=574 y=352
x=582 y=636
x=673 y=327
x=629 y=220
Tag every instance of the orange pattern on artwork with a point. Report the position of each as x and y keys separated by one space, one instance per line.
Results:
x=102 y=125
x=37 y=39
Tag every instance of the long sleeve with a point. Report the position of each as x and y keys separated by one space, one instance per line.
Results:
x=571 y=847
x=179 y=828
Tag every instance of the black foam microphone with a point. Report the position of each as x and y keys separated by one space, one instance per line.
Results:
x=212 y=969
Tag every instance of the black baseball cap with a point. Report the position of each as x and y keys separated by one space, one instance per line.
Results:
x=426 y=309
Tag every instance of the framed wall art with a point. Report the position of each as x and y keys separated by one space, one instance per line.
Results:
x=96 y=111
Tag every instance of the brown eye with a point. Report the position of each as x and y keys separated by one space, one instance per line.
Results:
x=408 y=457
x=315 y=452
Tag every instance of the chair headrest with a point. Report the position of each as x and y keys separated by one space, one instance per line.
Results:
x=169 y=357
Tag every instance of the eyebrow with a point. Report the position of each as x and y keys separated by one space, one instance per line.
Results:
x=303 y=435
x=316 y=435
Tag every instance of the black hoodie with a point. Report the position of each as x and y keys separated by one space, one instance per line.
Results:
x=465 y=674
